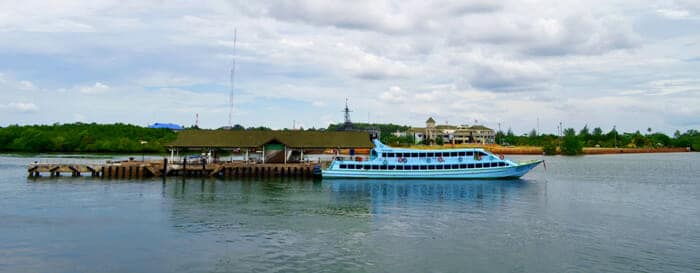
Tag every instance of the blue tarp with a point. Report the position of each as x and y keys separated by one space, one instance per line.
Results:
x=170 y=126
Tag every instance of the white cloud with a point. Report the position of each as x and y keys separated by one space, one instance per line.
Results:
x=402 y=61
x=26 y=85
x=394 y=95
x=22 y=107
x=97 y=88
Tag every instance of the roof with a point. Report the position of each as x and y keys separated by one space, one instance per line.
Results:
x=445 y=127
x=430 y=120
x=170 y=126
x=416 y=130
x=251 y=139
x=480 y=127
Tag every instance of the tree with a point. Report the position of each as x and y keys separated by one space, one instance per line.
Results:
x=533 y=134
x=584 y=134
x=570 y=144
x=549 y=148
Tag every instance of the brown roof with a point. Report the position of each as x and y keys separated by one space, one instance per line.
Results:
x=251 y=139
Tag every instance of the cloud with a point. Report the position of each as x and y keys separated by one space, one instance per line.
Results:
x=26 y=85
x=379 y=16
x=679 y=9
x=22 y=107
x=97 y=88
x=394 y=95
x=495 y=61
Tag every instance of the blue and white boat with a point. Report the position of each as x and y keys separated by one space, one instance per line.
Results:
x=388 y=162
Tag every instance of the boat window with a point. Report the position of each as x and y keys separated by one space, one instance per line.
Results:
x=382 y=167
x=423 y=167
x=482 y=153
x=447 y=167
x=390 y=155
x=375 y=167
x=414 y=167
x=479 y=165
x=414 y=154
x=471 y=166
x=494 y=164
x=399 y=167
x=462 y=153
x=453 y=153
x=354 y=166
x=455 y=166
x=431 y=167
x=343 y=166
x=501 y=164
x=470 y=153
x=430 y=154
x=421 y=154
x=366 y=167
x=462 y=166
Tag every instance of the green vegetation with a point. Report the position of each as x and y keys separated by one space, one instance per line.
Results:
x=125 y=138
x=572 y=143
x=80 y=137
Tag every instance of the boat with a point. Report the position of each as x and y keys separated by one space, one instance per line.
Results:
x=389 y=162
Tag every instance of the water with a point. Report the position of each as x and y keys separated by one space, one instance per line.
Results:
x=608 y=213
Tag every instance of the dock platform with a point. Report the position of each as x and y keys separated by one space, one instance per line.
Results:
x=162 y=168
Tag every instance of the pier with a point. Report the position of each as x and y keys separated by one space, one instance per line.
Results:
x=263 y=153
x=147 y=169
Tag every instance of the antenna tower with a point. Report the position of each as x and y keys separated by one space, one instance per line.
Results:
x=347 y=112
x=232 y=78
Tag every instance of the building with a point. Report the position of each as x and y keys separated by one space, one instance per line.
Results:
x=452 y=133
x=267 y=146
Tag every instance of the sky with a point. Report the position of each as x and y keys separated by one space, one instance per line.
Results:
x=522 y=64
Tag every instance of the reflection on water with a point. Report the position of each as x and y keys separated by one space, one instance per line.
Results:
x=383 y=193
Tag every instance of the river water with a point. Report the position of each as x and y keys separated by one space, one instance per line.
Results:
x=605 y=213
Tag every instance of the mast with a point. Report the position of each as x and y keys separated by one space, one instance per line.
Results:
x=231 y=82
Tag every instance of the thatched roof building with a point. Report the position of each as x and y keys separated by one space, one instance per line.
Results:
x=255 y=139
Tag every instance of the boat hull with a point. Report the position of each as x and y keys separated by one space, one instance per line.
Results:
x=507 y=172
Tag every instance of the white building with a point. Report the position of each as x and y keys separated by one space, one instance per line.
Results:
x=453 y=134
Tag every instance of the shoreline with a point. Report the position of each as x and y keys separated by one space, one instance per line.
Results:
x=497 y=149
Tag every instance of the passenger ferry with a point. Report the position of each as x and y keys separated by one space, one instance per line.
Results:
x=388 y=162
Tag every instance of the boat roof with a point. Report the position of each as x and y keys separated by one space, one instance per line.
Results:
x=384 y=148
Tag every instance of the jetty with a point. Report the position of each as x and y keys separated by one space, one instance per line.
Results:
x=259 y=154
x=147 y=169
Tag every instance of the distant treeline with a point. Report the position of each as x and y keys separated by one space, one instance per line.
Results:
x=80 y=137
x=125 y=138
x=572 y=142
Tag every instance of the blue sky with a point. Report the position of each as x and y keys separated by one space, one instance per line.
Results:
x=632 y=64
